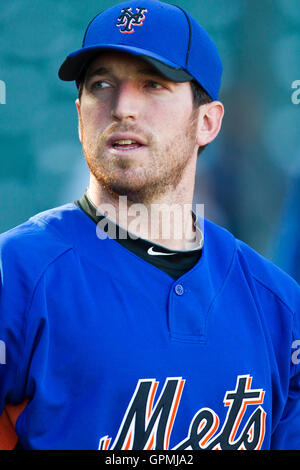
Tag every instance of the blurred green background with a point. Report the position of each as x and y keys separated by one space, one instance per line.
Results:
x=248 y=178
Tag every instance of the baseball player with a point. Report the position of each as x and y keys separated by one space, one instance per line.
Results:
x=118 y=336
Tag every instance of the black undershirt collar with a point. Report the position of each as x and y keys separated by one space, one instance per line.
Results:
x=172 y=262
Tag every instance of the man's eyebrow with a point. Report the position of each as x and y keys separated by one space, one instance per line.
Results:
x=151 y=71
x=97 y=71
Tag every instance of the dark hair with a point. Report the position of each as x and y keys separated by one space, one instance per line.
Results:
x=199 y=94
x=80 y=88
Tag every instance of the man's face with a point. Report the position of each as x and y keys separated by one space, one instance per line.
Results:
x=138 y=130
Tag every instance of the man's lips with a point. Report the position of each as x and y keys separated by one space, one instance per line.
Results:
x=125 y=141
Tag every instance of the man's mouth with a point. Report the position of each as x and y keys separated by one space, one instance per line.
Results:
x=126 y=144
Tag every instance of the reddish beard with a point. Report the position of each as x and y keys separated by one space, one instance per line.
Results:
x=162 y=171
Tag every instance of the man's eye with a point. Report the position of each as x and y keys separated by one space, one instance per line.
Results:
x=99 y=84
x=154 y=85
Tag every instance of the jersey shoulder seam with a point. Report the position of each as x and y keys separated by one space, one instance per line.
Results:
x=259 y=281
x=28 y=307
x=259 y=278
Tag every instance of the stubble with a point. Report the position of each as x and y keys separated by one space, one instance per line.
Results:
x=161 y=173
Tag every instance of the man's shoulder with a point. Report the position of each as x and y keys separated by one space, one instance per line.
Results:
x=257 y=268
x=38 y=240
x=268 y=276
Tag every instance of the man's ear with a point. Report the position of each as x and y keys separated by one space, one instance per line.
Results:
x=77 y=103
x=209 y=122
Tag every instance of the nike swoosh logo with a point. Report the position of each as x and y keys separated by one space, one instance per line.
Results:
x=158 y=253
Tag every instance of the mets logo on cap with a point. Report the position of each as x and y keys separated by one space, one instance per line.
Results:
x=128 y=19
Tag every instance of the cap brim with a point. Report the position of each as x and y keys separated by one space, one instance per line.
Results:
x=76 y=63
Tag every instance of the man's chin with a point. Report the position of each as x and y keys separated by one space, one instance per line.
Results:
x=137 y=190
x=117 y=181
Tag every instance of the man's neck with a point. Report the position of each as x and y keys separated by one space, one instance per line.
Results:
x=165 y=221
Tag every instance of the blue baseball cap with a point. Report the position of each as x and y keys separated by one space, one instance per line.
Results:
x=161 y=34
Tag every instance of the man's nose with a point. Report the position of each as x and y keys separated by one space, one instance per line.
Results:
x=127 y=102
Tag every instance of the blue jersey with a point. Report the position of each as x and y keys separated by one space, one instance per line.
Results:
x=115 y=354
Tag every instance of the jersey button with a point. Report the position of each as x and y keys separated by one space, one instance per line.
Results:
x=179 y=289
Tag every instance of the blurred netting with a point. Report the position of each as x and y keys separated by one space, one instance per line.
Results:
x=246 y=178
